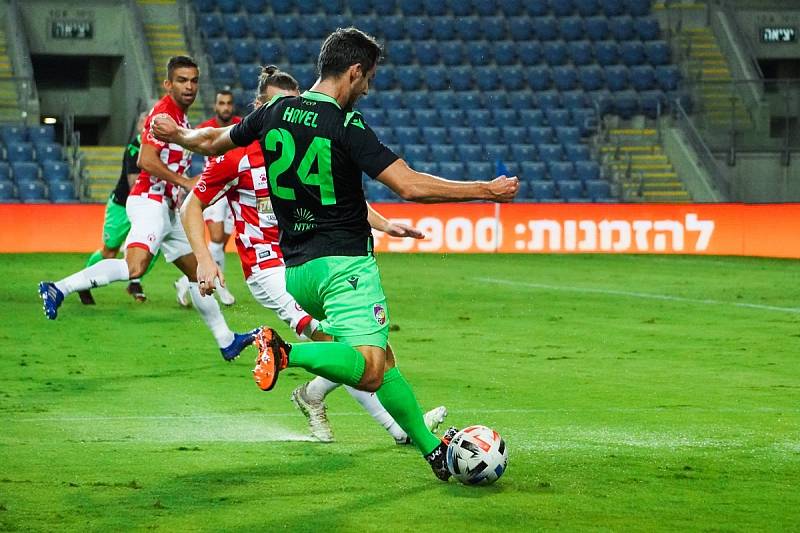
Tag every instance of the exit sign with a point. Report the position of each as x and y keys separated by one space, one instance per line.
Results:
x=779 y=34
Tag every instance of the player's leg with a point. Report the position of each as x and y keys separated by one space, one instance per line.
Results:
x=115 y=229
x=219 y=230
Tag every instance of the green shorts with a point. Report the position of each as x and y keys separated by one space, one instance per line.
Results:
x=115 y=225
x=345 y=295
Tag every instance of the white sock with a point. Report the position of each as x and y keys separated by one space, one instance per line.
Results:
x=99 y=274
x=319 y=387
x=209 y=311
x=217 y=250
x=376 y=410
x=309 y=330
x=136 y=280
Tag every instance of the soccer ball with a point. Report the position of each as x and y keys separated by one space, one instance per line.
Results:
x=477 y=455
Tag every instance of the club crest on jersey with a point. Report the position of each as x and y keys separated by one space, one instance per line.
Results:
x=201 y=186
x=380 y=314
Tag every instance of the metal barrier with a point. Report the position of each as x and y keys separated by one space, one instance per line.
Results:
x=718 y=174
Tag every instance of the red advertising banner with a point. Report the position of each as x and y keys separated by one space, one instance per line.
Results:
x=770 y=230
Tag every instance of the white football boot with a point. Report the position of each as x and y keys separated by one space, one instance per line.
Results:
x=433 y=420
x=182 y=292
x=315 y=412
x=225 y=296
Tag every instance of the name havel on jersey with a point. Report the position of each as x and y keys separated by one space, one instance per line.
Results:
x=314 y=155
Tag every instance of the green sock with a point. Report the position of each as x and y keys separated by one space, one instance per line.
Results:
x=397 y=397
x=335 y=361
x=94 y=258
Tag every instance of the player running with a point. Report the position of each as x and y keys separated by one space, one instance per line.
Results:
x=155 y=223
x=234 y=178
x=315 y=148
x=218 y=216
x=115 y=221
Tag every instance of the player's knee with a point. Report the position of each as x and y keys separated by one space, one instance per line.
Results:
x=371 y=381
x=136 y=269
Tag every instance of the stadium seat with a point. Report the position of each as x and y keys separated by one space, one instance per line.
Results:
x=537 y=8
x=469 y=100
x=255 y=7
x=622 y=28
x=400 y=52
x=545 y=28
x=459 y=8
x=626 y=104
x=647 y=28
x=375 y=117
x=561 y=170
x=426 y=52
x=533 y=170
x=333 y=7
x=360 y=7
x=307 y=7
x=571 y=28
x=62 y=192
x=587 y=8
x=387 y=7
x=385 y=78
x=548 y=99
x=210 y=25
x=297 y=51
x=580 y=52
x=577 y=152
x=417 y=99
x=643 y=77
x=477 y=116
x=468 y=28
x=270 y=52
x=539 y=78
x=587 y=170
x=574 y=98
x=407 y=134
x=540 y=135
x=282 y=7
x=400 y=117
x=416 y=152
x=5 y=171
x=530 y=117
x=596 y=28
x=235 y=26
x=585 y=119
x=289 y=27
x=668 y=77
x=243 y=51
x=452 y=53
x=602 y=101
x=417 y=28
x=25 y=171
x=228 y=6
x=557 y=117
x=505 y=116
x=591 y=77
x=529 y=53
x=541 y=190
x=497 y=99
x=461 y=134
x=497 y=152
x=652 y=103
x=315 y=26
x=248 y=77
x=242 y=101
x=385 y=134
x=425 y=116
x=452 y=170
x=470 y=152
x=261 y=26
x=565 y=78
x=305 y=75
x=612 y=8
x=505 y=53
x=452 y=118
x=204 y=6
x=44 y=132
x=493 y=28
x=638 y=8
x=435 y=77
x=479 y=52
x=217 y=50
x=561 y=8
x=7 y=191
x=442 y=152
x=32 y=192
x=632 y=53
x=523 y=152
x=606 y=52
x=616 y=77
x=487 y=134
x=13 y=133
x=657 y=52
x=513 y=134
x=48 y=151
x=479 y=170
x=19 y=151
x=555 y=53
x=568 y=134
x=520 y=28
x=570 y=189
x=224 y=73
x=409 y=77
x=598 y=189
x=486 y=78
x=550 y=152
x=485 y=8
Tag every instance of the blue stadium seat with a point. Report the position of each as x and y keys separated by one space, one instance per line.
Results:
x=573 y=99
x=427 y=52
x=529 y=53
x=587 y=170
x=418 y=28
x=539 y=78
x=568 y=134
x=385 y=134
x=598 y=189
x=497 y=99
x=587 y=8
x=400 y=117
x=32 y=192
x=513 y=134
x=218 y=50
x=296 y=50
x=617 y=78
x=25 y=171
x=333 y=7
x=452 y=170
x=497 y=152
x=444 y=28
x=289 y=27
x=316 y=26
x=652 y=103
x=540 y=135
x=444 y=99
x=13 y=133
x=530 y=117
x=479 y=170
x=505 y=52
x=487 y=134
x=524 y=152
x=443 y=152
x=44 y=132
x=557 y=117
x=505 y=116
x=228 y=6
x=255 y=7
x=370 y=24
x=452 y=118
x=520 y=28
x=536 y=8
x=452 y=53
x=570 y=189
x=235 y=26
x=469 y=100
x=585 y=119
x=62 y=192
x=468 y=28
x=545 y=28
x=48 y=151
x=282 y=7
x=493 y=28
x=602 y=100
x=626 y=104
x=436 y=77
x=470 y=152
x=571 y=28
x=19 y=151
x=385 y=78
x=591 y=77
x=596 y=28
x=510 y=8
x=196 y=166
x=261 y=26
x=305 y=75
x=210 y=25
x=360 y=7
x=548 y=99
x=647 y=28
x=533 y=170
x=632 y=53
x=400 y=52
x=382 y=7
x=577 y=152
x=307 y=7
x=479 y=52
x=477 y=116
x=550 y=152
x=561 y=8
x=622 y=28
x=565 y=78
x=426 y=117
x=270 y=52
x=540 y=189
x=581 y=52
x=5 y=171
x=406 y=134
x=643 y=77
x=409 y=77
x=375 y=117
x=668 y=77
x=561 y=170
x=429 y=167
x=606 y=52
x=461 y=134
x=248 y=77
x=486 y=78
x=242 y=101
x=555 y=53
x=657 y=52
x=243 y=51
x=417 y=99
x=416 y=152
x=7 y=192
x=204 y=6
x=638 y=8
x=612 y=8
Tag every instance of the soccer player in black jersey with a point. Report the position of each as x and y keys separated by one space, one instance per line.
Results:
x=315 y=148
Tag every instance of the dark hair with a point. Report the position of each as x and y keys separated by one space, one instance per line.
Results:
x=272 y=76
x=225 y=92
x=179 y=62
x=345 y=47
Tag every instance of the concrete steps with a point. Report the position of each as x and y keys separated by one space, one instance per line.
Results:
x=103 y=165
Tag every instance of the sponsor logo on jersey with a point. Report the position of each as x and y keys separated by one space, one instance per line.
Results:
x=380 y=314
x=304 y=220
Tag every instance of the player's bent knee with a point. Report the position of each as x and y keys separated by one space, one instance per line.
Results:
x=370 y=382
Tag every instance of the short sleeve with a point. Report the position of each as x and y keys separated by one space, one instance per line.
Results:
x=148 y=137
x=218 y=172
x=251 y=128
x=131 y=158
x=368 y=152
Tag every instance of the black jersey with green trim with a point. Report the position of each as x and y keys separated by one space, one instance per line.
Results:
x=129 y=166
x=314 y=154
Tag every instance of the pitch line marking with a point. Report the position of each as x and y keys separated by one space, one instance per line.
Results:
x=641 y=295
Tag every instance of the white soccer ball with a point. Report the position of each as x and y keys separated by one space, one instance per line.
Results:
x=477 y=455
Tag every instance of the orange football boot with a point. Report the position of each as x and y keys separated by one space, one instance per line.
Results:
x=273 y=356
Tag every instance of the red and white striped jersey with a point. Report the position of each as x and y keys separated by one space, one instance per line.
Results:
x=174 y=156
x=240 y=176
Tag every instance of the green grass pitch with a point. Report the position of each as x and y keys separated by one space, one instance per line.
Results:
x=635 y=394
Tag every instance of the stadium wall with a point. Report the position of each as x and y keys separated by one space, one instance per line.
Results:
x=767 y=230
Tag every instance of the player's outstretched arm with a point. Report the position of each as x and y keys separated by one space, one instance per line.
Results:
x=206 y=141
x=207 y=270
x=395 y=229
x=424 y=188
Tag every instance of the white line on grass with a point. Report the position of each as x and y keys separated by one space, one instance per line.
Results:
x=631 y=294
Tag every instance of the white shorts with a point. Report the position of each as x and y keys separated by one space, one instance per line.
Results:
x=268 y=287
x=220 y=211
x=154 y=226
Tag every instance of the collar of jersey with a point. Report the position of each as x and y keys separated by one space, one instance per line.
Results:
x=320 y=97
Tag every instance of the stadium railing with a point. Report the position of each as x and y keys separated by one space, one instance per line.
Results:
x=716 y=171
